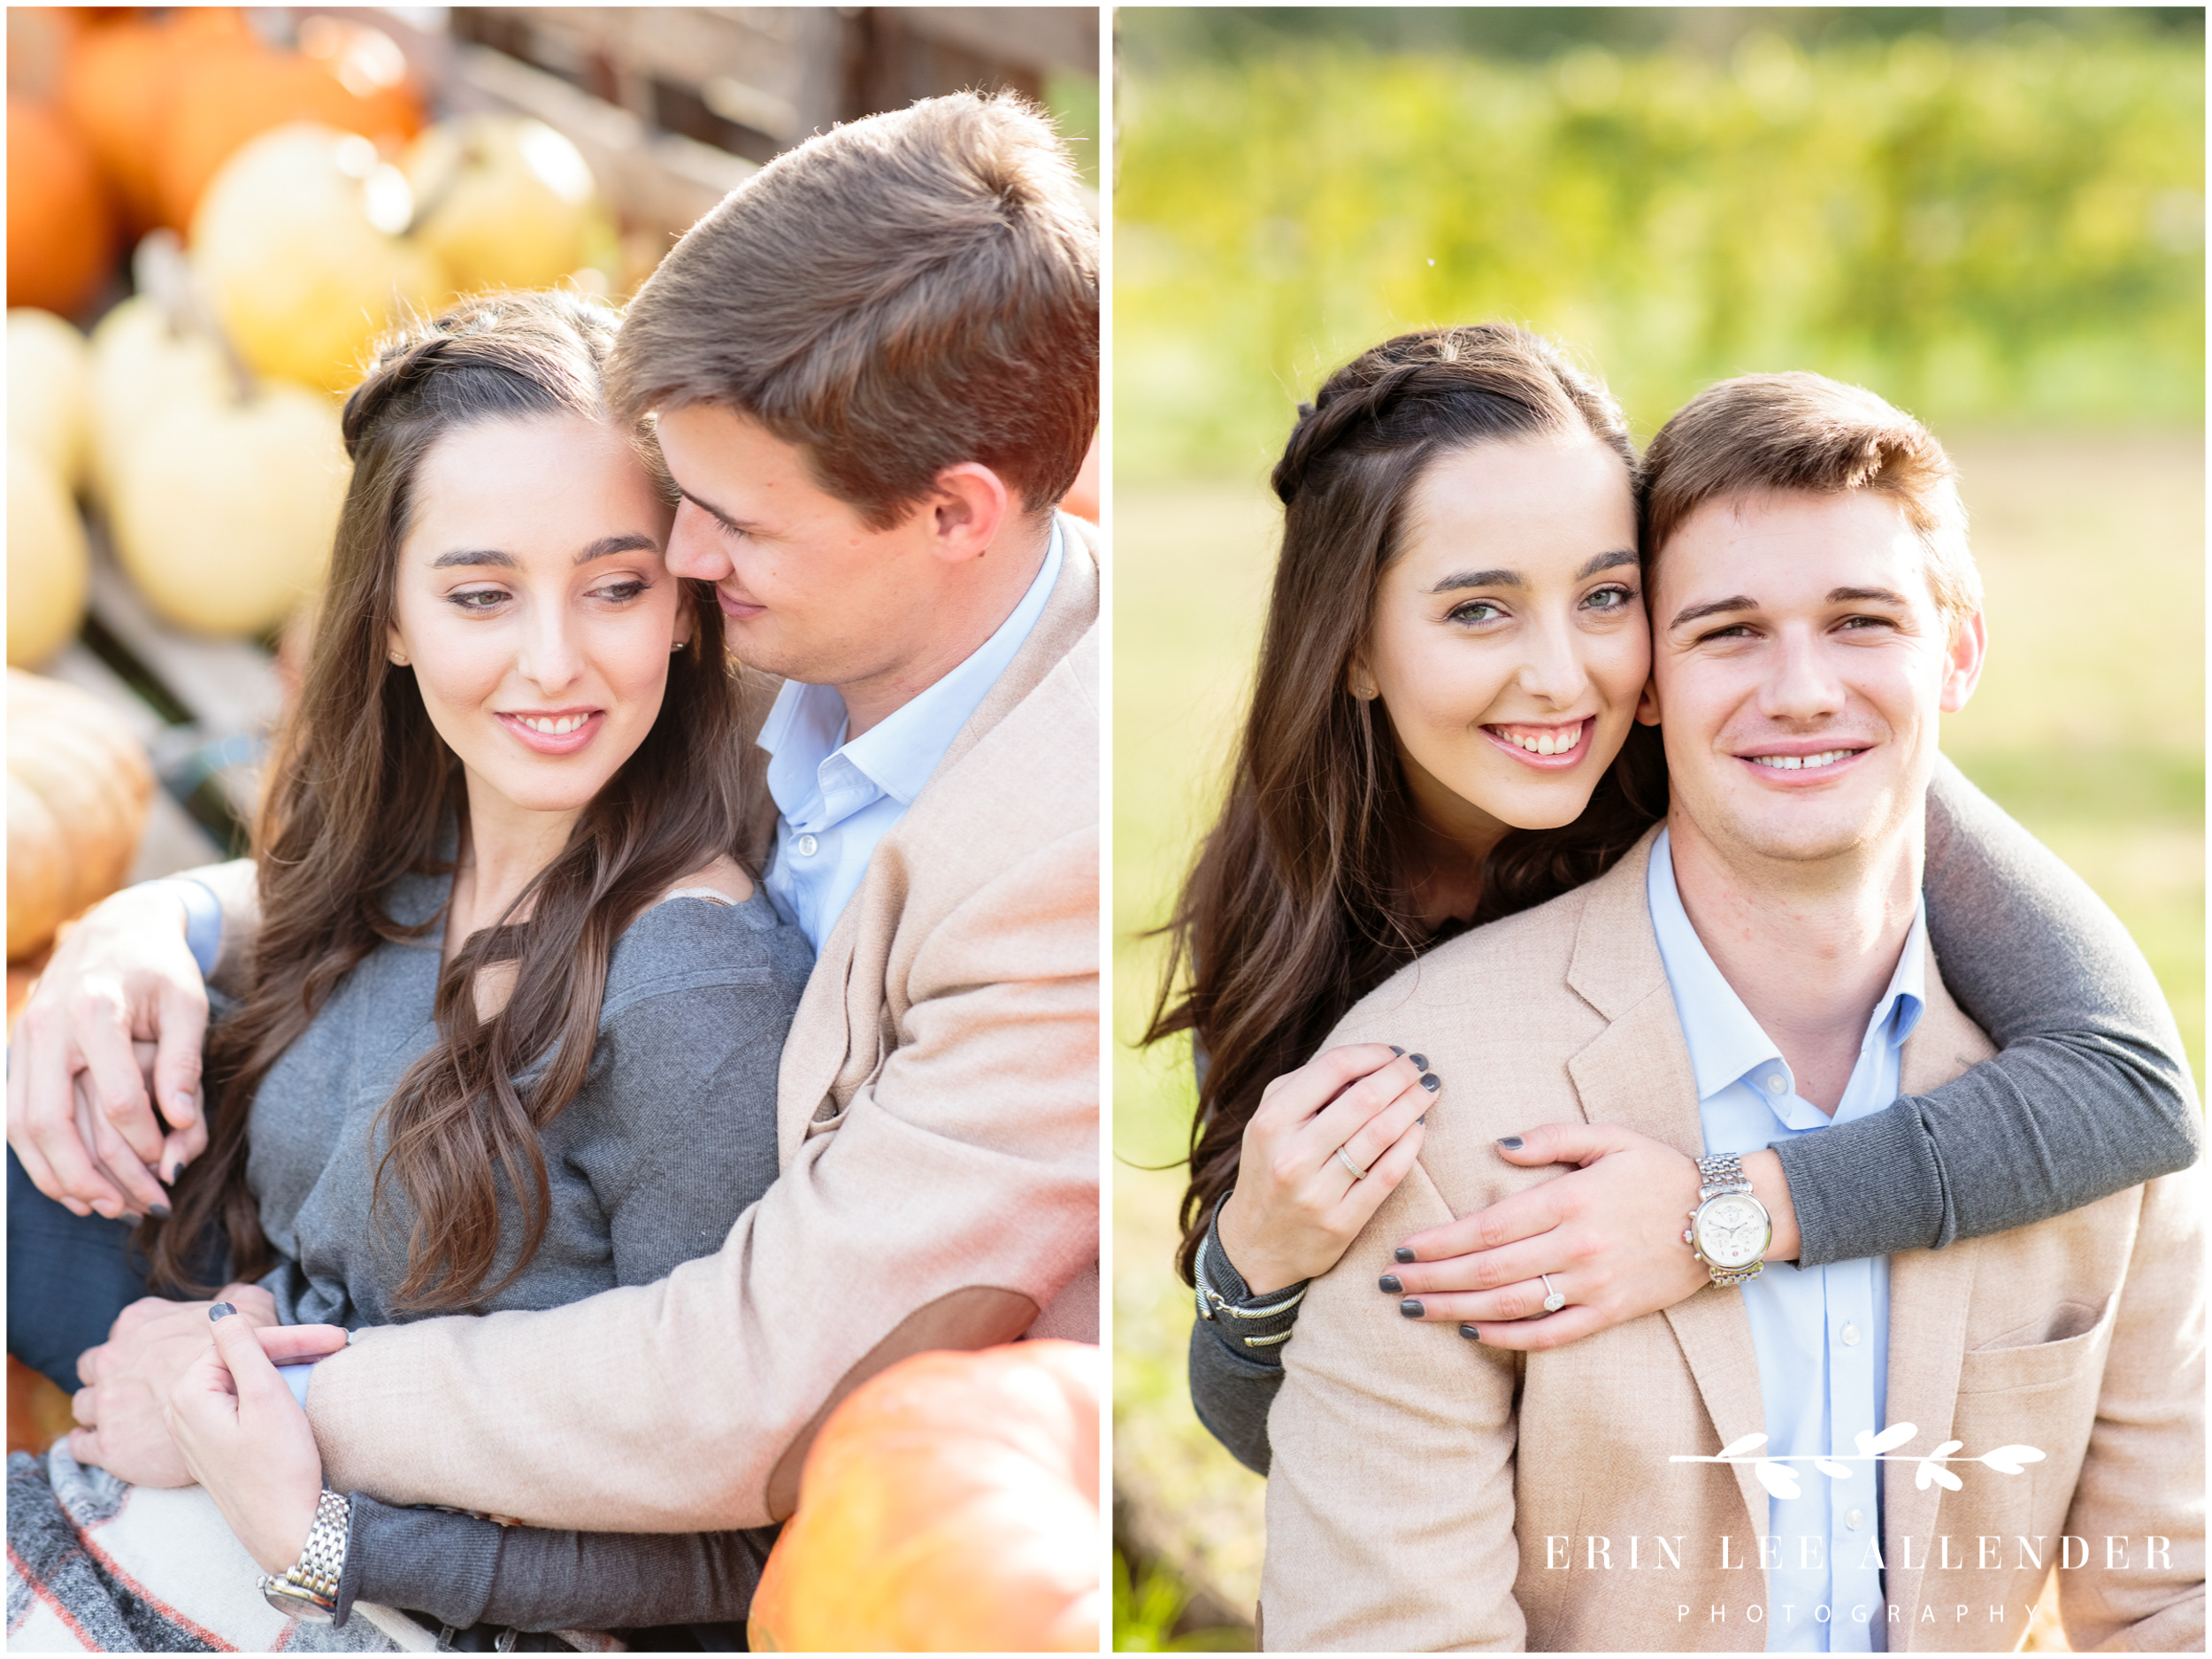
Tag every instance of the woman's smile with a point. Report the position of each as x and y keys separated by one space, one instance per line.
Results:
x=545 y=732
x=1547 y=748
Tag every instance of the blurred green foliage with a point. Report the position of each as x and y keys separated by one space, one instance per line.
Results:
x=2007 y=227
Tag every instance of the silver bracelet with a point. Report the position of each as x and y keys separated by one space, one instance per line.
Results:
x=1213 y=1305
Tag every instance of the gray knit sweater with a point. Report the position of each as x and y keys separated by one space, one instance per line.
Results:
x=671 y=1138
x=2090 y=1094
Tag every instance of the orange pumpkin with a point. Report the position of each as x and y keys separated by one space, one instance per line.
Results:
x=949 y=1504
x=61 y=240
x=227 y=95
x=78 y=787
x=118 y=87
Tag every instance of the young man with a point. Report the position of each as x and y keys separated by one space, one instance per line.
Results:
x=1756 y=969
x=876 y=371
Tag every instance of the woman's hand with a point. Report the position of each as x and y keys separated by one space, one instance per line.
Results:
x=1298 y=1204
x=245 y=1438
x=1610 y=1235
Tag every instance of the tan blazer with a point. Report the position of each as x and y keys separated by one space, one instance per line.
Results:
x=1429 y=1493
x=938 y=1113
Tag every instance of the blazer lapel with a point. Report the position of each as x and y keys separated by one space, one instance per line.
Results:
x=1637 y=1074
x=1928 y=1293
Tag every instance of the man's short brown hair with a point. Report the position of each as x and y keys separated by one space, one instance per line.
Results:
x=897 y=296
x=1803 y=432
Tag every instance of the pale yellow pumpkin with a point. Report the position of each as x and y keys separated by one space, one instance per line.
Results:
x=224 y=512
x=505 y=202
x=49 y=565
x=49 y=371
x=78 y=787
x=296 y=244
x=141 y=368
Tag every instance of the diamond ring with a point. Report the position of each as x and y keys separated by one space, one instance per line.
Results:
x=1553 y=1300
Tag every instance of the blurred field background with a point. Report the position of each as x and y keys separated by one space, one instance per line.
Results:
x=1995 y=219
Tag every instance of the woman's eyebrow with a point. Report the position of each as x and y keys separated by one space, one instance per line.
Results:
x=1598 y=562
x=473 y=556
x=607 y=545
x=1480 y=579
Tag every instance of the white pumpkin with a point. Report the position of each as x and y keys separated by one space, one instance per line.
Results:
x=141 y=368
x=49 y=369
x=49 y=565
x=224 y=512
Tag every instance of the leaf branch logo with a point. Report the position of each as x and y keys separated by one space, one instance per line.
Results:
x=1778 y=1479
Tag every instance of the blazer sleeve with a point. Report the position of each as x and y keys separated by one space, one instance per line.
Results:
x=957 y=1196
x=2142 y=1487
x=2090 y=1094
x=1393 y=1475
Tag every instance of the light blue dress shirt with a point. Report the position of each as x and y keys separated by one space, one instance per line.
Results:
x=1822 y=1333
x=835 y=800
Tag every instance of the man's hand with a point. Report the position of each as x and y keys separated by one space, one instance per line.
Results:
x=244 y=1437
x=122 y=973
x=122 y=1412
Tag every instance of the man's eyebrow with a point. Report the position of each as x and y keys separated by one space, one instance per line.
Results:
x=1698 y=613
x=1480 y=578
x=607 y=545
x=473 y=556
x=1867 y=595
x=1598 y=562
x=709 y=509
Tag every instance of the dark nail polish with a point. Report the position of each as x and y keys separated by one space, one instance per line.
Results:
x=1409 y=1308
x=1402 y=1254
x=1470 y=1333
x=1423 y=1119
x=1389 y=1282
x=1431 y=1081
x=1420 y=1060
x=221 y=1310
x=160 y=1212
x=1511 y=1143
x=1394 y=1049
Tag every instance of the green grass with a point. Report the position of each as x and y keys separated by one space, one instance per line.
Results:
x=2002 y=229
x=2087 y=727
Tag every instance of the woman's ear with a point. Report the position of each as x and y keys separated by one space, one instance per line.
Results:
x=1358 y=680
x=395 y=647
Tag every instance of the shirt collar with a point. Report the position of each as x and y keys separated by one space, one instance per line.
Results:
x=807 y=723
x=1726 y=1044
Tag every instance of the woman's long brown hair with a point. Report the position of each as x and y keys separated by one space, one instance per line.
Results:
x=1300 y=900
x=361 y=791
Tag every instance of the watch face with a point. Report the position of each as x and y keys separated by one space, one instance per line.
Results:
x=1732 y=1231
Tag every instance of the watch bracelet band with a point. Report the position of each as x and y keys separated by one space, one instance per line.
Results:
x=1719 y=1173
x=1217 y=1307
x=323 y=1557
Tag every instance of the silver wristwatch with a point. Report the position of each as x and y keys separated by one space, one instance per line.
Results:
x=309 y=1589
x=1728 y=1230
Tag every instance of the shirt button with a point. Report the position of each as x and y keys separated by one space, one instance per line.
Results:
x=1777 y=1084
x=808 y=846
x=1853 y=1517
x=1850 y=1336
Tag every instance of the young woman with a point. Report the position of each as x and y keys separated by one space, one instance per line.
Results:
x=1441 y=734
x=516 y=1012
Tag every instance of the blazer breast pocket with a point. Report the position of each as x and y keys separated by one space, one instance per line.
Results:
x=2071 y=1343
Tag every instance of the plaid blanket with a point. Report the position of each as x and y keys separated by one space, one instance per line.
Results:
x=96 y=1565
